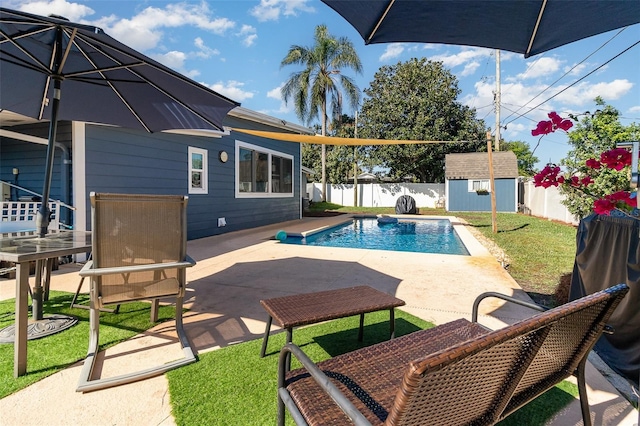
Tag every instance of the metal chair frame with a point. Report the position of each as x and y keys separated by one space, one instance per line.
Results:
x=97 y=273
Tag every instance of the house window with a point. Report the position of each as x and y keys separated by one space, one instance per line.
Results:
x=476 y=185
x=198 y=176
x=262 y=172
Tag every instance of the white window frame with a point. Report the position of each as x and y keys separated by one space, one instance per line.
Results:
x=481 y=184
x=204 y=171
x=270 y=152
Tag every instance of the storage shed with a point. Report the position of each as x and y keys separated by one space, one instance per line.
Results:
x=467 y=185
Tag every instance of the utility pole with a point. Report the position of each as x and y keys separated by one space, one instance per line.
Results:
x=494 y=215
x=497 y=101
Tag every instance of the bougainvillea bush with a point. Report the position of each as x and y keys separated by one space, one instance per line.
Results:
x=603 y=180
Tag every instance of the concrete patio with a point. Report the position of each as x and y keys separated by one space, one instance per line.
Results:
x=236 y=270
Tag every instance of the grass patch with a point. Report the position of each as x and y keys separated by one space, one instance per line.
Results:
x=234 y=386
x=51 y=354
x=541 y=252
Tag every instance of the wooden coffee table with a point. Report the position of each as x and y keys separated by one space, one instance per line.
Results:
x=310 y=308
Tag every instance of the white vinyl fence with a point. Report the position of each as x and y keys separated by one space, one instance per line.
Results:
x=380 y=195
x=541 y=202
x=545 y=202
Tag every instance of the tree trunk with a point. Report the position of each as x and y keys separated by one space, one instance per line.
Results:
x=324 y=150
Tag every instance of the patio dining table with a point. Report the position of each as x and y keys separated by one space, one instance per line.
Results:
x=21 y=248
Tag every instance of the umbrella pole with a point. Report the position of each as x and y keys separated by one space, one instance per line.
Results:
x=42 y=218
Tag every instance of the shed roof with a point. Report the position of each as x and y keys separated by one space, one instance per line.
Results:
x=475 y=165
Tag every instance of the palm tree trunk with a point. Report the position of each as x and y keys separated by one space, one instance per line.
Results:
x=324 y=150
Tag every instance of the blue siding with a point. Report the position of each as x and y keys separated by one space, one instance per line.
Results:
x=461 y=200
x=129 y=161
x=29 y=158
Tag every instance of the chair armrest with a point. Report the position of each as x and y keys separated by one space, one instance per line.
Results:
x=88 y=270
x=480 y=298
x=321 y=379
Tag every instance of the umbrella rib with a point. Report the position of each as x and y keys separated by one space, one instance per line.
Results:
x=384 y=15
x=11 y=40
x=100 y=71
x=68 y=49
x=535 y=29
x=159 y=89
x=112 y=68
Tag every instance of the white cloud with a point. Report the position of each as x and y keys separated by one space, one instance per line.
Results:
x=392 y=51
x=173 y=59
x=270 y=10
x=470 y=68
x=463 y=57
x=72 y=11
x=231 y=89
x=248 y=33
x=145 y=30
x=578 y=70
x=204 y=52
x=277 y=95
x=634 y=109
x=540 y=68
x=584 y=93
x=176 y=60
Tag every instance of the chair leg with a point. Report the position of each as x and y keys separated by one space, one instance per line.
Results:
x=85 y=384
x=582 y=391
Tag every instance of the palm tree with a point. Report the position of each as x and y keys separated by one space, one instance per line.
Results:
x=319 y=82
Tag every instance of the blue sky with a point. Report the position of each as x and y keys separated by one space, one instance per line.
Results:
x=236 y=46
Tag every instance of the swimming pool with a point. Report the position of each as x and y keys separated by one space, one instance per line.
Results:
x=411 y=235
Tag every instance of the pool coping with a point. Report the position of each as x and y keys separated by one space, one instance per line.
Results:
x=470 y=242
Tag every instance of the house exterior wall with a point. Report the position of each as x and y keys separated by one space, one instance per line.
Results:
x=459 y=199
x=30 y=158
x=130 y=161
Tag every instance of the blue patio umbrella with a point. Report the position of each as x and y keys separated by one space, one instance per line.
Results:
x=53 y=69
x=529 y=27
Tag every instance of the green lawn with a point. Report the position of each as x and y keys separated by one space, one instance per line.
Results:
x=51 y=354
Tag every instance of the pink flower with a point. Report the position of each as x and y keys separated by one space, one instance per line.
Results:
x=548 y=177
x=610 y=202
x=617 y=158
x=559 y=122
x=603 y=206
x=592 y=163
x=586 y=181
x=544 y=128
x=622 y=197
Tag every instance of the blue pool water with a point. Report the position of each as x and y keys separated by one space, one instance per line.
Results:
x=415 y=235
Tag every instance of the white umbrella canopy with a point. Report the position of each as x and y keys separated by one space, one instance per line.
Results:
x=53 y=69
x=529 y=27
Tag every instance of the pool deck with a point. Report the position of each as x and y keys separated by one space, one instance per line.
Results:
x=234 y=272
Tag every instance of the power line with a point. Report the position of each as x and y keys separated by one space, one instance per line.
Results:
x=575 y=82
x=563 y=76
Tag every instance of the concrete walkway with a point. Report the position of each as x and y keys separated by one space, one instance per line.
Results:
x=236 y=270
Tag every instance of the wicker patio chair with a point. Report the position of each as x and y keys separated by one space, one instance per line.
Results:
x=138 y=253
x=458 y=373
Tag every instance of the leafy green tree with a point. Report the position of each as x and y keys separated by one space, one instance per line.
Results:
x=417 y=100
x=526 y=159
x=593 y=134
x=340 y=158
x=316 y=89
